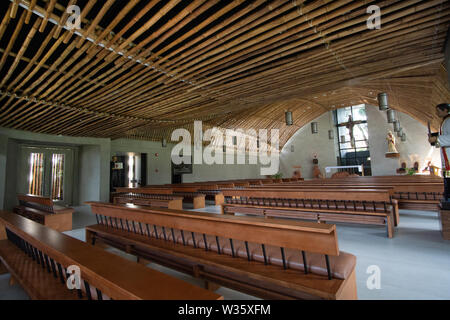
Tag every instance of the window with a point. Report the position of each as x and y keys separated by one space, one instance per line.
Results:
x=36 y=177
x=353 y=137
x=57 y=176
x=45 y=172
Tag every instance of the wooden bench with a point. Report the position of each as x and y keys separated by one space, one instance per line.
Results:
x=215 y=195
x=38 y=258
x=337 y=205
x=43 y=211
x=413 y=194
x=273 y=259
x=197 y=198
x=151 y=200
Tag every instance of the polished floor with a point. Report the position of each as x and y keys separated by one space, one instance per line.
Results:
x=412 y=265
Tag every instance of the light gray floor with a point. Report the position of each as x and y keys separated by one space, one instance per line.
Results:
x=413 y=265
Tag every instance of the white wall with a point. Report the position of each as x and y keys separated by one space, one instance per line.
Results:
x=158 y=158
x=415 y=148
x=203 y=172
x=305 y=145
x=159 y=164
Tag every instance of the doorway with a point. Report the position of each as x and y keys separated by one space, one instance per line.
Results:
x=46 y=172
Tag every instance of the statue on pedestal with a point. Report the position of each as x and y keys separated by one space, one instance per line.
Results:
x=317 y=174
x=392 y=150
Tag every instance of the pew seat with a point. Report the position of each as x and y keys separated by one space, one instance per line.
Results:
x=233 y=256
x=37 y=282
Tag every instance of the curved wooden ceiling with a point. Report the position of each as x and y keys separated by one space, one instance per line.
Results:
x=139 y=69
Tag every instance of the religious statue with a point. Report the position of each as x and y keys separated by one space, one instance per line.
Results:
x=297 y=173
x=403 y=168
x=391 y=143
x=349 y=125
x=432 y=169
x=317 y=174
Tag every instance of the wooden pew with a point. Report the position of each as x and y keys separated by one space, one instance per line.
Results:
x=147 y=190
x=338 y=205
x=151 y=200
x=301 y=187
x=197 y=198
x=43 y=211
x=274 y=259
x=410 y=192
x=38 y=259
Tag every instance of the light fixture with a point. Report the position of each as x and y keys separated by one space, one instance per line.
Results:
x=391 y=116
x=404 y=137
x=342 y=139
x=383 y=101
x=397 y=126
x=400 y=133
x=330 y=134
x=314 y=127
x=292 y=148
x=288 y=118
x=164 y=142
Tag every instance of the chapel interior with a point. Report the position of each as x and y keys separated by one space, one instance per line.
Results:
x=224 y=150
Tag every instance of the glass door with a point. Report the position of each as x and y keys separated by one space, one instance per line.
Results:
x=47 y=172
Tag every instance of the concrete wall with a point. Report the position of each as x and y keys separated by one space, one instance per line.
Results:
x=415 y=148
x=203 y=172
x=159 y=164
x=89 y=174
x=3 y=159
x=306 y=145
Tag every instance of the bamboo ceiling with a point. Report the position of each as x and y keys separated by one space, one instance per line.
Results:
x=139 y=69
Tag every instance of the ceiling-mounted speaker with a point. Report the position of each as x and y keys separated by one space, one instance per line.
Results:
x=383 y=101
x=224 y=148
x=397 y=126
x=314 y=127
x=164 y=142
x=400 y=133
x=234 y=140
x=404 y=137
x=391 y=117
x=292 y=148
x=288 y=118
x=330 y=134
x=257 y=143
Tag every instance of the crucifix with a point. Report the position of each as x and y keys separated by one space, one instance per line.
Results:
x=349 y=125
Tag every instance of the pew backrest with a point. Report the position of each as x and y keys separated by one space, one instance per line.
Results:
x=36 y=202
x=303 y=236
